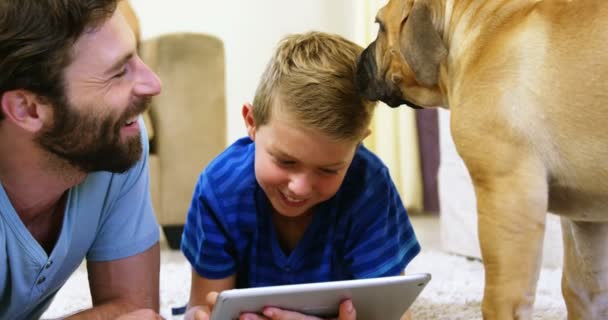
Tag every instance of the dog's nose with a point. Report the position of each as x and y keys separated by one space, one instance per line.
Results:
x=362 y=73
x=366 y=70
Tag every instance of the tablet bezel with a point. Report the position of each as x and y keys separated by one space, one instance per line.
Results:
x=375 y=298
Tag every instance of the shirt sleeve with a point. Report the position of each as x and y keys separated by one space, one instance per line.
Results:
x=206 y=242
x=128 y=226
x=382 y=241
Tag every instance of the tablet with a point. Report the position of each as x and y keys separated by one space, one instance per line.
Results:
x=377 y=298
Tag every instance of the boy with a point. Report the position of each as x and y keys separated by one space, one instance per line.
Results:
x=300 y=199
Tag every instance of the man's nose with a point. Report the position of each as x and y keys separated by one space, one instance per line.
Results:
x=147 y=82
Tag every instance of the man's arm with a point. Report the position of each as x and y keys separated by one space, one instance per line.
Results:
x=122 y=286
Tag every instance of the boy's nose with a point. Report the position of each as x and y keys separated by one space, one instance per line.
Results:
x=300 y=185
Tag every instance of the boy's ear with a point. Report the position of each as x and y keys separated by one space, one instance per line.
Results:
x=25 y=109
x=367 y=133
x=247 y=113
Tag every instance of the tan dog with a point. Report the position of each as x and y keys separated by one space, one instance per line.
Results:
x=527 y=85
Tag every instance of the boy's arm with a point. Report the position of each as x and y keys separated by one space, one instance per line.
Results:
x=203 y=292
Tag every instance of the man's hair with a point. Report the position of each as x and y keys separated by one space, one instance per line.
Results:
x=36 y=39
x=311 y=78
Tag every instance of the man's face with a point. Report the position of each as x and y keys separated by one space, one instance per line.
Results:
x=298 y=168
x=107 y=87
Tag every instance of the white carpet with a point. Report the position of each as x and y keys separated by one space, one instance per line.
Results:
x=454 y=292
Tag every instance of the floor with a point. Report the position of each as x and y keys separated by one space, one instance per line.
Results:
x=427 y=231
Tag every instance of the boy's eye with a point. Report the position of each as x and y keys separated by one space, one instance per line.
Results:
x=329 y=171
x=283 y=162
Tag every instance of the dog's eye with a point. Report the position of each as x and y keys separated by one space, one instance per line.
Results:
x=403 y=22
x=380 y=25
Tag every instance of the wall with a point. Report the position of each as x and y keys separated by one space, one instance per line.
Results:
x=250 y=31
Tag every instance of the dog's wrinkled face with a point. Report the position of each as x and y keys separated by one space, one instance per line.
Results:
x=402 y=65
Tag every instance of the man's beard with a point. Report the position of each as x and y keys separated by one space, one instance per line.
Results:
x=90 y=142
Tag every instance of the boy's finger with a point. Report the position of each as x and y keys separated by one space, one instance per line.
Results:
x=211 y=298
x=201 y=315
x=251 y=316
x=347 y=311
x=279 y=314
x=197 y=313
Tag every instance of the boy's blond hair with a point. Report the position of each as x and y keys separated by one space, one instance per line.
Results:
x=311 y=78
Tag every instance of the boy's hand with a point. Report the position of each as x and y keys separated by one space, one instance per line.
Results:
x=347 y=312
x=198 y=313
x=202 y=312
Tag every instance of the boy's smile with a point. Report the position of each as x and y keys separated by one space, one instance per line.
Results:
x=297 y=167
x=292 y=202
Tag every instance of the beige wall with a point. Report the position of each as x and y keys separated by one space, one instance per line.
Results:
x=249 y=29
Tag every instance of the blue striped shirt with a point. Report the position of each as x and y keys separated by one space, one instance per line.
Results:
x=361 y=232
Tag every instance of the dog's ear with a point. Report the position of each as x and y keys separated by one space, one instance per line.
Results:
x=421 y=45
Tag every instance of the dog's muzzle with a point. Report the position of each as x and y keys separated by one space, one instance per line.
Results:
x=375 y=89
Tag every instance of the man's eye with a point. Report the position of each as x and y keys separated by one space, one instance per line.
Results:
x=121 y=73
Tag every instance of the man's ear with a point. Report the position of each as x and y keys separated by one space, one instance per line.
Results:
x=25 y=109
x=247 y=113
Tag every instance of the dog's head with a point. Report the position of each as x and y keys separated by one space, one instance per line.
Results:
x=402 y=64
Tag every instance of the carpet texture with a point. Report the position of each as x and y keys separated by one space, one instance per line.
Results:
x=454 y=292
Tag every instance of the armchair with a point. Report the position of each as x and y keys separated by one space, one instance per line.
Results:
x=186 y=122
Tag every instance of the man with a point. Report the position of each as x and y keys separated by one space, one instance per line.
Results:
x=73 y=160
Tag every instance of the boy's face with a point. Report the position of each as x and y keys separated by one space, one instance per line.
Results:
x=297 y=167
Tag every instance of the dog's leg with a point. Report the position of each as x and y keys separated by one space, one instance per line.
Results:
x=511 y=222
x=512 y=205
x=511 y=189
x=585 y=277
